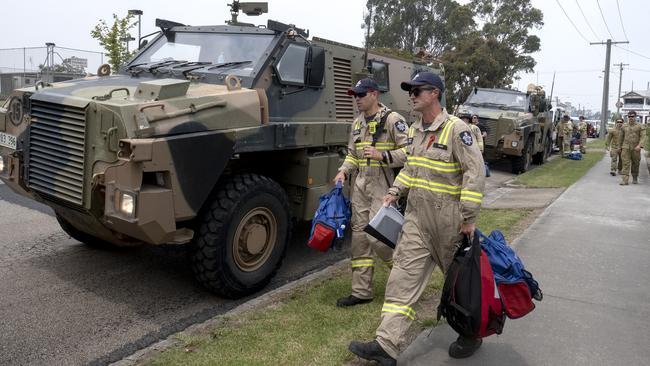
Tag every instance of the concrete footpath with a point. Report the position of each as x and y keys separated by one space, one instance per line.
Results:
x=590 y=252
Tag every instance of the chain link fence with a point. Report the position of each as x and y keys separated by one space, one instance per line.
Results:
x=22 y=67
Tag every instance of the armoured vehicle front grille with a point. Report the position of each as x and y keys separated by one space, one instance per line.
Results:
x=492 y=138
x=342 y=81
x=56 y=151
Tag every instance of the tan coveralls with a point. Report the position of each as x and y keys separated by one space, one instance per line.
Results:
x=582 y=128
x=565 y=130
x=443 y=178
x=368 y=189
x=633 y=133
x=613 y=142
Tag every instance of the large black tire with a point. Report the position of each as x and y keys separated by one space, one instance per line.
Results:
x=242 y=236
x=81 y=236
x=521 y=164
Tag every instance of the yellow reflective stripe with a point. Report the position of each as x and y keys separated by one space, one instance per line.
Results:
x=435 y=186
x=357 y=125
x=444 y=137
x=403 y=149
x=471 y=193
x=464 y=198
x=378 y=145
x=434 y=162
x=356 y=263
x=411 y=132
x=389 y=263
x=351 y=159
x=394 y=308
x=444 y=170
x=404 y=181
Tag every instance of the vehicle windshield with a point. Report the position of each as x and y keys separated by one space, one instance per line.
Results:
x=238 y=51
x=491 y=98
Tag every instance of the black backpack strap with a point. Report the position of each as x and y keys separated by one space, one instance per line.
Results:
x=375 y=138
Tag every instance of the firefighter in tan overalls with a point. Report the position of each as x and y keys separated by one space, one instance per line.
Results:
x=613 y=144
x=375 y=146
x=631 y=145
x=443 y=181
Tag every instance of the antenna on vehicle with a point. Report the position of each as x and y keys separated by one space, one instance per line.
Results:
x=250 y=9
x=552 y=86
x=365 y=53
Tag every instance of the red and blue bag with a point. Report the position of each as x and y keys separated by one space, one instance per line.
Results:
x=330 y=220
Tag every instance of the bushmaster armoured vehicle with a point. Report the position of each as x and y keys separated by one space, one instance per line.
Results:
x=213 y=136
x=520 y=125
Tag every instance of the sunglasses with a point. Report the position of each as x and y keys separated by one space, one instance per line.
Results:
x=360 y=95
x=417 y=91
x=631 y=116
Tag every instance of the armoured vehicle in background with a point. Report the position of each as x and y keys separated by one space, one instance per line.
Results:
x=519 y=125
x=214 y=136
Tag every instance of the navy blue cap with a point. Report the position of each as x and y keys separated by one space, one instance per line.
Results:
x=363 y=86
x=424 y=78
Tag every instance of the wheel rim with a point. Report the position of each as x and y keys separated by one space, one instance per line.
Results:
x=254 y=239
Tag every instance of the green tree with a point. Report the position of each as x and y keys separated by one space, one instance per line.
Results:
x=111 y=38
x=484 y=43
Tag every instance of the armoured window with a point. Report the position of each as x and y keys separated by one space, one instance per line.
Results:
x=380 y=74
x=291 y=68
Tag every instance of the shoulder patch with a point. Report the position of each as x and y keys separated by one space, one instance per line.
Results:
x=401 y=126
x=466 y=138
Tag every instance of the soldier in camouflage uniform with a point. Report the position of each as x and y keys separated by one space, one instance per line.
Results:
x=613 y=144
x=631 y=145
x=583 y=128
x=443 y=180
x=564 y=135
x=373 y=162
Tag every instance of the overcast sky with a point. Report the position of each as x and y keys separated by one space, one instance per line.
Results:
x=579 y=66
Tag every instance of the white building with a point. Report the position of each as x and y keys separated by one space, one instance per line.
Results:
x=638 y=101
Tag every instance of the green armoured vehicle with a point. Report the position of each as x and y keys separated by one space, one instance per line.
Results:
x=519 y=125
x=218 y=137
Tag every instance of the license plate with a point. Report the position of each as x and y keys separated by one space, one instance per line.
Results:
x=7 y=140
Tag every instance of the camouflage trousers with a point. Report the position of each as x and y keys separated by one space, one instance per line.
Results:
x=564 y=144
x=366 y=202
x=631 y=160
x=583 y=145
x=617 y=162
x=428 y=240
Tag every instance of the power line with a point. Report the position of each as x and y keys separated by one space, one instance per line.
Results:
x=587 y=21
x=640 y=70
x=632 y=52
x=571 y=21
x=603 y=16
x=620 y=17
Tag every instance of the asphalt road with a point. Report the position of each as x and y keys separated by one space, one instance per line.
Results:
x=63 y=303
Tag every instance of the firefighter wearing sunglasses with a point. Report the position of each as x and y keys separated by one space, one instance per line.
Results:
x=443 y=180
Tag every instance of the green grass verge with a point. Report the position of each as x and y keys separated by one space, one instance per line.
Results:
x=560 y=172
x=596 y=144
x=306 y=328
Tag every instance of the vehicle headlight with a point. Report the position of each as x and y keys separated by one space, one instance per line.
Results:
x=125 y=203
x=514 y=143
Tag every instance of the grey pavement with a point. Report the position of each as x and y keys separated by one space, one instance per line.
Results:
x=590 y=252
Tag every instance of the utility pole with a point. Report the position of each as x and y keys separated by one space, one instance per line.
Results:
x=603 y=112
x=620 y=79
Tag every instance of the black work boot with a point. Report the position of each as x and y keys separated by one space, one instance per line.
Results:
x=635 y=180
x=372 y=351
x=351 y=300
x=464 y=347
x=612 y=173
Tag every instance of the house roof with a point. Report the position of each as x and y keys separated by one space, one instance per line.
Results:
x=637 y=93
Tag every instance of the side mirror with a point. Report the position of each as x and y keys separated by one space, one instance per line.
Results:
x=143 y=43
x=315 y=70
